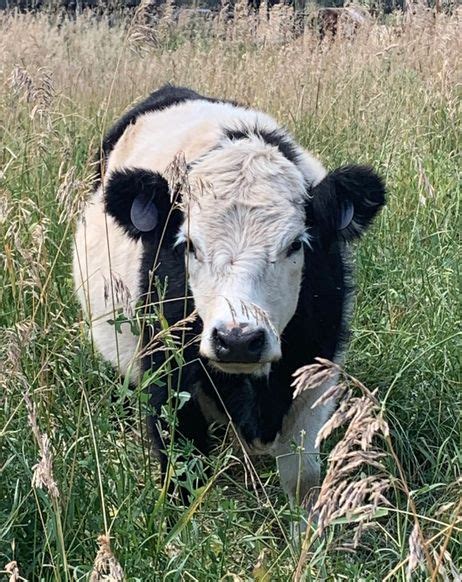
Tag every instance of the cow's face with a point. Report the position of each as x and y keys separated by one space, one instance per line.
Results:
x=244 y=236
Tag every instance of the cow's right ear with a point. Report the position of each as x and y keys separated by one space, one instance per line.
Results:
x=344 y=204
x=139 y=201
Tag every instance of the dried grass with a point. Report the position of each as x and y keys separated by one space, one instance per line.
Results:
x=42 y=472
x=106 y=567
x=117 y=292
x=358 y=481
x=141 y=35
x=211 y=57
x=15 y=343
x=165 y=339
x=38 y=92
x=347 y=489
x=13 y=572
x=73 y=192
x=416 y=552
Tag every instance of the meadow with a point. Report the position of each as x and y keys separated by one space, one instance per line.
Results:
x=79 y=489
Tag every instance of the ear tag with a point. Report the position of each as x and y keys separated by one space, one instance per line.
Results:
x=346 y=215
x=144 y=214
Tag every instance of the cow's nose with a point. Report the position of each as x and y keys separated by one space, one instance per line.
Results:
x=236 y=345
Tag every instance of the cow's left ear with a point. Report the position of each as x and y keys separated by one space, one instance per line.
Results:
x=139 y=200
x=345 y=203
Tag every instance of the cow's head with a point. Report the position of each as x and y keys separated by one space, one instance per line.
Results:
x=250 y=212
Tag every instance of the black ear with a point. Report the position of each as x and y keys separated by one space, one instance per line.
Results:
x=139 y=200
x=345 y=203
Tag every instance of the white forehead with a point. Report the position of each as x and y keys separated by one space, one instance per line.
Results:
x=249 y=195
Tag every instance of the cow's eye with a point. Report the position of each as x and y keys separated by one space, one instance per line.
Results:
x=190 y=248
x=294 y=247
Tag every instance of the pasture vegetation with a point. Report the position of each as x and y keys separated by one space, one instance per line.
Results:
x=385 y=97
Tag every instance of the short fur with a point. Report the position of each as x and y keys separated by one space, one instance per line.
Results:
x=259 y=191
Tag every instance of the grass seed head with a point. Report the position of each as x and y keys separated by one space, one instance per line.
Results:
x=42 y=472
x=13 y=571
x=416 y=553
x=345 y=491
x=106 y=567
x=117 y=292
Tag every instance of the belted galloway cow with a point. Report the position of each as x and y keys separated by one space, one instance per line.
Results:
x=254 y=238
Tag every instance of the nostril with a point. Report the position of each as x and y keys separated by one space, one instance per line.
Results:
x=257 y=343
x=219 y=339
x=221 y=342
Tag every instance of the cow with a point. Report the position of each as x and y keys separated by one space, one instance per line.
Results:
x=248 y=249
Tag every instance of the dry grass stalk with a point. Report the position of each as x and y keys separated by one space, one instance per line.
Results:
x=72 y=193
x=258 y=313
x=314 y=375
x=25 y=257
x=40 y=93
x=141 y=36
x=232 y=310
x=445 y=567
x=441 y=556
x=21 y=83
x=42 y=476
x=34 y=255
x=12 y=569
x=426 y=190
x=106 y=567
x=17 y=341
x=4 y=206
x=161 y=340
x=116 y=291
x=179 y=185
x=345 y=492
x=167 y=19
x=248 y=310
x=14 y=343
x=416 y=553
x=250 y=473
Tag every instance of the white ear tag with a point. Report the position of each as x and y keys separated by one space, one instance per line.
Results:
x=144 y=214
x=346 y=215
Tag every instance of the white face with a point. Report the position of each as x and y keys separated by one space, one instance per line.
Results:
x=244 y=258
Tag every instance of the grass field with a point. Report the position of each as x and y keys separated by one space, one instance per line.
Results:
x=387 y=97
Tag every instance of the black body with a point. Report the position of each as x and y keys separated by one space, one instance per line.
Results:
x=318 y=328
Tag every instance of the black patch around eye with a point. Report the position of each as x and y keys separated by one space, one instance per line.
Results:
x=294 y=247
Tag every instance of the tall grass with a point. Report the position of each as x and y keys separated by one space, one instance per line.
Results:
x=74 y=463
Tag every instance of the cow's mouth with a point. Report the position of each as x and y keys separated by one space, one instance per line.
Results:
x=257 y=368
